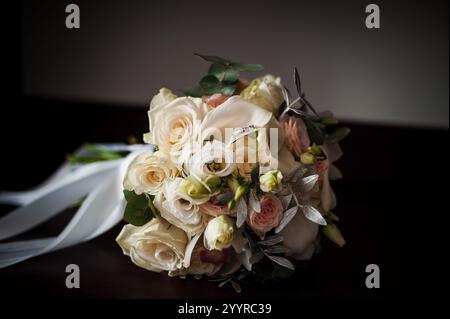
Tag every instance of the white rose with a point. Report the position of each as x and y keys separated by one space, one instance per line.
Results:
x=265 y=92
x=237 y=113
x=219 y=233
x=174 y=124
x=156 y=246
x=178 y=209
x=213 y=158
x=163 y=97
x=147 y=172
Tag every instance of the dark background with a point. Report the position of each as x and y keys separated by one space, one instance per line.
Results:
x=65 y=87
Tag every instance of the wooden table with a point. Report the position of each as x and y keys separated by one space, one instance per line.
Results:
x=388 y=191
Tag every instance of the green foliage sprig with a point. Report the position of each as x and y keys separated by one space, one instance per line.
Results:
x=139 y=209
x=94 y=153
x=222 y=77
x=319 y=127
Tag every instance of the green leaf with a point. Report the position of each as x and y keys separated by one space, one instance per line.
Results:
x=227 y=89
x=224 y=73
x=315 y=131
x=338 y=134
x=236 y=286
x=137 y=216
x=195 y=91
x=210 y=83
x=282 y=272
x=328 y=121
x=137 y=211
x=213 y=58
x=255 y=174
x=247 y=67
x=128 y=194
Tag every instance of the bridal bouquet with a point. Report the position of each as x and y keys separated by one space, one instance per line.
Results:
x=238 y=183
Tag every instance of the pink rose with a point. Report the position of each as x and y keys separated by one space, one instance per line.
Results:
x=215 y=208
x=296 y=135
x=215 y=257
x=269 y=217
x=215 y=100
x=322 y=166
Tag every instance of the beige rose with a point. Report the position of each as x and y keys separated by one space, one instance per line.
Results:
x=265 y=92
x=156 y=246
x=175 y=124
x=147 y=172
x=178 y=209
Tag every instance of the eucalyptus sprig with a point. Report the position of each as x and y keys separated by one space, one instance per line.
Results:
x=222 y=77
x=318 y=126
x=92 y=153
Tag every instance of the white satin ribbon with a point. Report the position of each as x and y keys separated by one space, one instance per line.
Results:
x=100 y=182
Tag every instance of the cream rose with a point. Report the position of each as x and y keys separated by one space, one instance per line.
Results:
x=265 y=92
x=175 y=124
x=147 y=172
x=269 y=217
x=156 y=246
x=178 y=209
x=164 y=96
x=213 y=158
x=219 y=233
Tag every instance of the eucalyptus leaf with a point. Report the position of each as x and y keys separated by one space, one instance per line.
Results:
x=286 y=95
x=338 y=134
x=287 y=217
x=213 y=58
x=308 y=183
x=209 y=83
x=224 y=73
x=195 y=91
x=299 y=112
x=282 y=261
x=255 y=173
x=227 y=89
x=247 y=67
x=241 y=212
x=313 y=214
x=254 y=201
x=257 y=256
x=223 y=283
x=236 y=286
x=278 y=249
x=286 y=200
x=272 y=240
x=297 y=82
x=315 y=131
